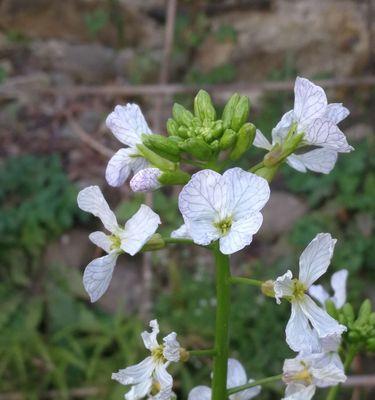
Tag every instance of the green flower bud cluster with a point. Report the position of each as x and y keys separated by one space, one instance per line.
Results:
x=361 y=326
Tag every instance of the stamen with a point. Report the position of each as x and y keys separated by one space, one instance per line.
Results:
x=224 y=225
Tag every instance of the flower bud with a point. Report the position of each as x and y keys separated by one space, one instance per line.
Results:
x=245 y=138
x=181 y=115
x=177 y=177
x=241 y=113
x=228 y=139
x=364 y=313
x=163 y=146
x=155 y=159
x=331 y=309
x=172 y=127
x=268 y=288
x=203 y=107
x=198 y=148
x=229 y=110
x=183 y=132
x=348 y=312
x=146 y=180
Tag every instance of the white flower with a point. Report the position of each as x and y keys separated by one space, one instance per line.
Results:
x=130 y=239
x=318 y=121
x=127 y=123
x=308 y=371
x=236 y=376
x=150 y=377
x=313 y=263
x=338 y=283
x=146 y=180
x=181 y=233
x=224 y=207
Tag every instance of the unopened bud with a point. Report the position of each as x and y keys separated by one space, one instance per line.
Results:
x=245 y=138
x=203 y=107
x=198 y=148
x=331 y=309
x=268 y=288
x=241 y=113
x=146 y=180
x=229 y=110
x=172 y=127
x=155 y=159
x=228 y=139
x=364 y=312
x=181 y=115
x=177 y=177
x=348 y=312
x=163 y=146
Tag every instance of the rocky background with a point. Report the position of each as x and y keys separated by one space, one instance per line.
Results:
x=50 y=49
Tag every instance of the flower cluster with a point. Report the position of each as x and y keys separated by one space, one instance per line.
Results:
x=221 y=211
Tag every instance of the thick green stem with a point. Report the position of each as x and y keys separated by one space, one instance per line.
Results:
x=254 y=383
x=219 y=381
x=334 y=391
x=245 y=281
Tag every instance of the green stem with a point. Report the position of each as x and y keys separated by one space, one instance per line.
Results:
x=254 y=383
x=256 y=167
x=334 y=390
x=219 y=380
x=202 y=353
x=170 y=240
x=245 y=281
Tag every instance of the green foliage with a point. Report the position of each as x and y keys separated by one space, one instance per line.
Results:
x=96 y=21
x=3 y=74
x=225 y=33
x=224 y=73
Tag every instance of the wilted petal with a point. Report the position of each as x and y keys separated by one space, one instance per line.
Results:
x=98 y=275
x=315 y=259
x=164 y=378
x=336 y=112
x=135 y=374
x=200 y=393
x=338 y=283
x=139 y=229
x=127 y=123
x=296 y=391
x=325 y=133
x=150 y=338
x=299 y=335
x=146 y=180
x=241 y=233
x=319 y=293
x=101 y=240
x=140 y=390
x=283 y=286
x=172 y=348
x=318 y=160
x=324 y=324
x=92 y=200
x=261 y=141
x=181 y=233
x=310 y=101
x=246 y=192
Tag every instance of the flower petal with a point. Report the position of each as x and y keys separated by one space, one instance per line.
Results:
x=165 y=380
x=336 y=112
x=101 y=240
x=297 y=391
x=327 y=370
x=98 y=275
x=200 y=393
x=299 y=335
x=150 y=338
x=140 y=390
x=325 y=133
x=280 y=131
x=172 y=348
x=315 y=259
x=319 y=293
x=138 y=230
x=127 y=123
x=246 y=192
x=338 y=283
x=236 y=375
x=310 y=101
x=324 y=324
x=241 y=233
x=181 y=233
x=92 y=200
x=283 y=286
x=202 y=232
x=318 y=160
x=134 y=374
x=146 y=180
x=247 y=394
x=261 y=141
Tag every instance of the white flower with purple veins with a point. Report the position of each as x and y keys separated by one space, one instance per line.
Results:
x=307 y=371
x=313 y=263
x=127 y=123
x=150 y=377
x=129 y=239
x=146 y=180
x=236 y=376
x=317 y=120
x=223 y=207
x=338 y=283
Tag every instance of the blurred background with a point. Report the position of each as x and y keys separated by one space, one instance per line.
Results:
x=63 y=67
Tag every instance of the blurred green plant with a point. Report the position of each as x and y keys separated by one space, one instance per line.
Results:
x=96 y=21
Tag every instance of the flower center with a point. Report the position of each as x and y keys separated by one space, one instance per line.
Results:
x=157 y=354
x=304 y=375
x=115 y=242
x=299 y=289
x=224 y=225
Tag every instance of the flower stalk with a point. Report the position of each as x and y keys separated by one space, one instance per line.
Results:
x=249 y=385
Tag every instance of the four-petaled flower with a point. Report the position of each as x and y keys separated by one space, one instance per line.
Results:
x=127 y=123
x=150 y=377
x=308 y=371
x=313 y=263
x=129 y=239
x=224 y=207
x=236 y=376
x=317 y=120
x=338 y=283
